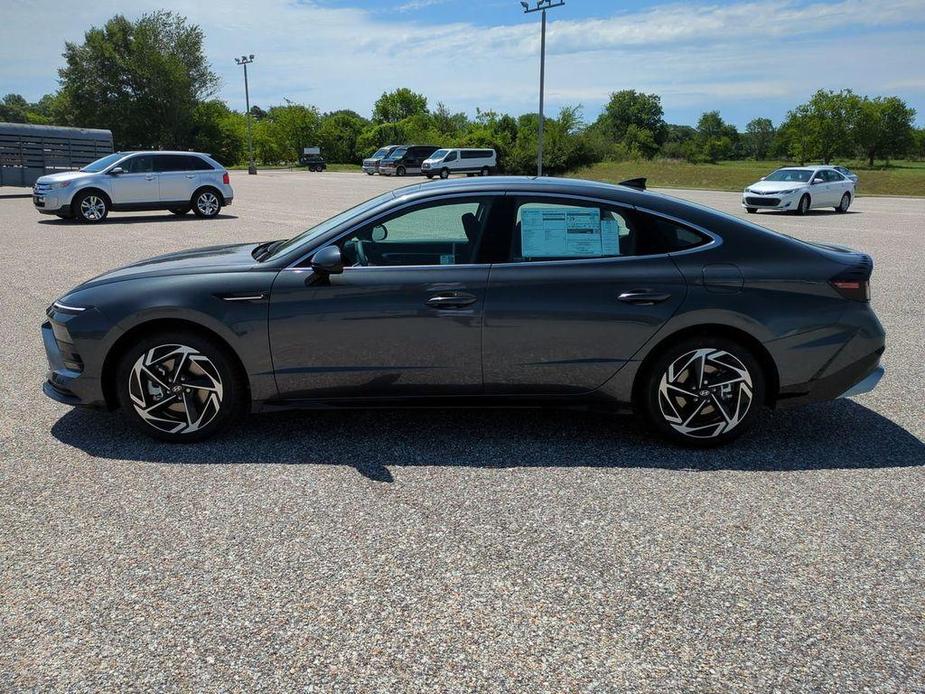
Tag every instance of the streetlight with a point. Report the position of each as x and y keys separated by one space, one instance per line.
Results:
x=541 y=6
x=245 y=60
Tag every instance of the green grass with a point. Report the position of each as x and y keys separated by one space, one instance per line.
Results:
x=899 y=178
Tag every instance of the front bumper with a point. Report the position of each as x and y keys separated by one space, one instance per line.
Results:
x=52 y=202
x=778 y=202
x=68 y=382
x=370 y=168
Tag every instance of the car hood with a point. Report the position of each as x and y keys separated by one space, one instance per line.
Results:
x=775 y=186
x=231 y=258
x=62 y=176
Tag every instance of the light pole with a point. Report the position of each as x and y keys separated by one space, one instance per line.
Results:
x=245 y=60
x=541 y=6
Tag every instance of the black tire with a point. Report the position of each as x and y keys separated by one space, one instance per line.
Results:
x=803 y=206
x=844 y=204
x=751 y=210
x=484 y=171
x=710 y=415
x=140 y=385
x=180 y=211
x=400 y=171
x=429 y=176
x=444 y=173
x=370 y=173
x=207 y=203
x=91 y=207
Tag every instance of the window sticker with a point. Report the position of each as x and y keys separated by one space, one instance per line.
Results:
x=567 y=233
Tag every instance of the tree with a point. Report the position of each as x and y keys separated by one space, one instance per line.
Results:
x=823 y=128
x=142 y=80
x=285 y=131
x=636 y=120
x=715 y=138
x=338 y=136
x=883 y=127
x=398 y=105
x=13 y=109
x=220 y=132
x=759 y=137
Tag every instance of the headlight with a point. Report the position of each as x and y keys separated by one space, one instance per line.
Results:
x=68 y=308
x=57 y=185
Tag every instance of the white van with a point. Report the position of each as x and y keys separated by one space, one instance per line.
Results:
x=444 y=162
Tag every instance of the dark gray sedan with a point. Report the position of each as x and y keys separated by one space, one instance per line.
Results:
x=500 y=291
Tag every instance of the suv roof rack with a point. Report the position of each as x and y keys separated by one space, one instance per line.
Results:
x=637 y=183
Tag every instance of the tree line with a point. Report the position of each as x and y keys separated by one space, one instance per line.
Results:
x=149 y=82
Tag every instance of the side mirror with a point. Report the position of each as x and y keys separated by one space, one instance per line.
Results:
x=116 y=171
x=328 y=261
x=817 y=180
x=379 y=233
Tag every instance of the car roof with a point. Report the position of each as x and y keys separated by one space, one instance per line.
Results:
x=811 y=167
x=163 y=151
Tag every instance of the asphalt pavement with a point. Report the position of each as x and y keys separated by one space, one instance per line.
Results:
x=454 y=551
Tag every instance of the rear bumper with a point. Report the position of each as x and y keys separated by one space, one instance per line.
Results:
x=865 y=385
x=859 y=377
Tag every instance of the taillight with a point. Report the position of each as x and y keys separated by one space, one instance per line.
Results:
x=854 y=283
x=226 y=179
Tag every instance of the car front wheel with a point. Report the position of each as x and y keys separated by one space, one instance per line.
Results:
x=804 y=205
x=703 y=391
x=180 y=387
x=751 y=210
x=444 y=173
x=207 y=203
x=91 y=207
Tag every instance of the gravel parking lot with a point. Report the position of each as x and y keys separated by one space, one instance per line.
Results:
x=432 y=550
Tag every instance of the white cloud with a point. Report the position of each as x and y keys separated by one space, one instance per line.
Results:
x=759 y=57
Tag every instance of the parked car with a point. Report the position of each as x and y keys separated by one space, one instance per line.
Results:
x=130 y=181
x=800 y=189
x=444 y=162
x=847 y=173
x=371 y=164
x=406 y=160
x=495 y=290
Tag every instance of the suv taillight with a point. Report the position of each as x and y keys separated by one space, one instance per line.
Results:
x=226 y=179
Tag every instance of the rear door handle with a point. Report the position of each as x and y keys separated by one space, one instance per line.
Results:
x=643 y=297
x=149 y=178
x=190 y=176
x=452 y=300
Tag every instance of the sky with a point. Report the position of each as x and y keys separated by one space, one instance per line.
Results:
x=746 y=58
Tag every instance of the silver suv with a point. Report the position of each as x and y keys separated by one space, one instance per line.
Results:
x=129 y=181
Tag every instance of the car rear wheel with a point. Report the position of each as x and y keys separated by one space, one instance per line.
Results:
x=844 y=204
x=804 y=205
x=180 y=211
x=444 y=173
x=702 y=391
x=91 y=207
x=207 y=203
x=180 y=387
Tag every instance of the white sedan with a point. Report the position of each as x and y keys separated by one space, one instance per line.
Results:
x=800 y=189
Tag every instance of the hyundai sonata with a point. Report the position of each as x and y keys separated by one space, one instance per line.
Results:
x=505 y=291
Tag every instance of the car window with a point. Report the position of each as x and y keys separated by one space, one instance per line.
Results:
x=139 y=164
x=200 y=164
x=563 y=231
x=451 y=156
x=176 y=162
x=442 y=233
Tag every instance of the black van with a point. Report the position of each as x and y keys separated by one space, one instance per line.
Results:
x=407 y=159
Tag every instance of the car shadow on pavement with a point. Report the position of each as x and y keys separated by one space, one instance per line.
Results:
x=146 y=219
x=837 y=435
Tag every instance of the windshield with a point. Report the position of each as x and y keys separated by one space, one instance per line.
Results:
x=325 y=226
x=790 y=175
x=398 y=153
x=439 y=154
x=102 y=164
x=380 y=153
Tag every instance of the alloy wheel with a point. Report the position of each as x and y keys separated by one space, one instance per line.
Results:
x=93 y=208
x=207 y=204
x=705 y=393
x=175 y=389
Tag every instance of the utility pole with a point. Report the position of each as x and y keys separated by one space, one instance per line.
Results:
x=245 y=60
x=541 y=6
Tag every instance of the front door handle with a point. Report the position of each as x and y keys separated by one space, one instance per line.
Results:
x=452 y=300
x=190 y=175
x=149 y=178
x=643 y=297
